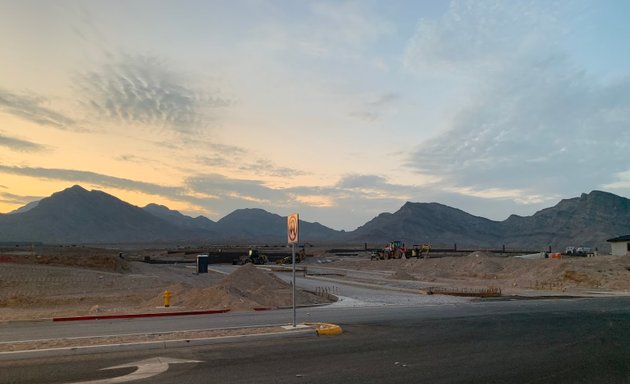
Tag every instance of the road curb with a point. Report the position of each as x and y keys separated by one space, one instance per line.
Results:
x=136 y=315
x=148 y=345
x=418 y=291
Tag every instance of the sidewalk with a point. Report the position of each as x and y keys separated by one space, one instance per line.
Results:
x=15 y=350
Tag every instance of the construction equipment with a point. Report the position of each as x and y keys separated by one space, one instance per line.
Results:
x=421 y=250
x=253 y=256
x=394 y=250
x=299 y=257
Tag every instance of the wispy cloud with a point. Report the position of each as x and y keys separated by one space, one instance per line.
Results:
x=145 y=90
x=477 y=36
x=236 y=189
x=338 y=31
x=19 y=145
x=376 y=106
x=33 y=108
x=72 y=175
x=218 y=161
x=267 y=168
x=537 y=126
x=17 y=199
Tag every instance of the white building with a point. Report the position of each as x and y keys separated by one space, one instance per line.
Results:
x=620 y=245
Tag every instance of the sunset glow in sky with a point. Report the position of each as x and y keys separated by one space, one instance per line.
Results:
x=339 y=110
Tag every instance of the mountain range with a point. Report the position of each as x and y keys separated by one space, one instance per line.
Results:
x=76 y=216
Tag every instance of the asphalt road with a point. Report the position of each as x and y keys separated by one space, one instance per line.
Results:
x=542 y=341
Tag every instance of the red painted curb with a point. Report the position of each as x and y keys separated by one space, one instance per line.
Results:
x=263 y=308
x=159 y=314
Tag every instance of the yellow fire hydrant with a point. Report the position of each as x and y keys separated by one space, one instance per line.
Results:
x=167 y=298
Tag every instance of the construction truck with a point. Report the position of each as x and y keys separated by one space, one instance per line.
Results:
x=253 y=256
x=394 y=250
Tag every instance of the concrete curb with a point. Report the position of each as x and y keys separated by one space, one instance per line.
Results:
x=149 y=345
x=418 y=291
x=131 y=316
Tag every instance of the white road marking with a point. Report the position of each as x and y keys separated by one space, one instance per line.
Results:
x=146 y=368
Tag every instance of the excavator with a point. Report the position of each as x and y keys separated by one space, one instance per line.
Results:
x=299 y=257
x=253 y=256
x=421 y=250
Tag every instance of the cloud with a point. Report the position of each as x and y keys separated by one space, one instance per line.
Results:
x=342 y=205
x=94 y=178
x=267 y=168
x=539 y=127
x=218 y=161
x=17 y=199
x=338 y=31
x=32 y=108
x=350 y=23
x=361 y=181
x=474 y=35
x=144 y=90
x=236 y=189
x=378 y=105
x=19 y=144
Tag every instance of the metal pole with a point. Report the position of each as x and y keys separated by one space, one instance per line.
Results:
x=293 y=257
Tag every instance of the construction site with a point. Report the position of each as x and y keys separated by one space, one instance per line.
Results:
x=50 y=282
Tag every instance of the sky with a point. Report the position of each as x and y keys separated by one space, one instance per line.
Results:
x=337 y=110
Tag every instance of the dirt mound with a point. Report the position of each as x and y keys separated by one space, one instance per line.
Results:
x=80 y=257
x=482 y=269
x=246 y=288
x=401 y=275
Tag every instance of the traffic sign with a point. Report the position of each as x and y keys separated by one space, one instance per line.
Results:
x=293 y=228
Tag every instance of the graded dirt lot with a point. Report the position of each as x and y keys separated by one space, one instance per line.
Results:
x=41 y=284
x=55 y=282
x=514 y=276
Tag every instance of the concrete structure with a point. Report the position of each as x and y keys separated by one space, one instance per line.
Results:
x=620 y=245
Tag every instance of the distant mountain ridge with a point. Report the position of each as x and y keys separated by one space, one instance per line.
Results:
x=76 y=215
x=182 y=221
x=586 y=220
x=432 y=223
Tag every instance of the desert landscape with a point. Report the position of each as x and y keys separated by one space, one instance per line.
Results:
x=48 y=282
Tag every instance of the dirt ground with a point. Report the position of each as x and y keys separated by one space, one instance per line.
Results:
x=513 y=275
x=77 y=282
x=40 y=284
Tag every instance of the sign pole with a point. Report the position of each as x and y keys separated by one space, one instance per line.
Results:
x=293 y=257
x=293 y=231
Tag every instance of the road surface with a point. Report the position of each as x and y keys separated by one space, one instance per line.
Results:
x=533 y=341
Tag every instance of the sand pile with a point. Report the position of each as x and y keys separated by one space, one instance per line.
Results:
x=485 y=269
x=599 y=272
x=401 y=275
x=246 y=288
